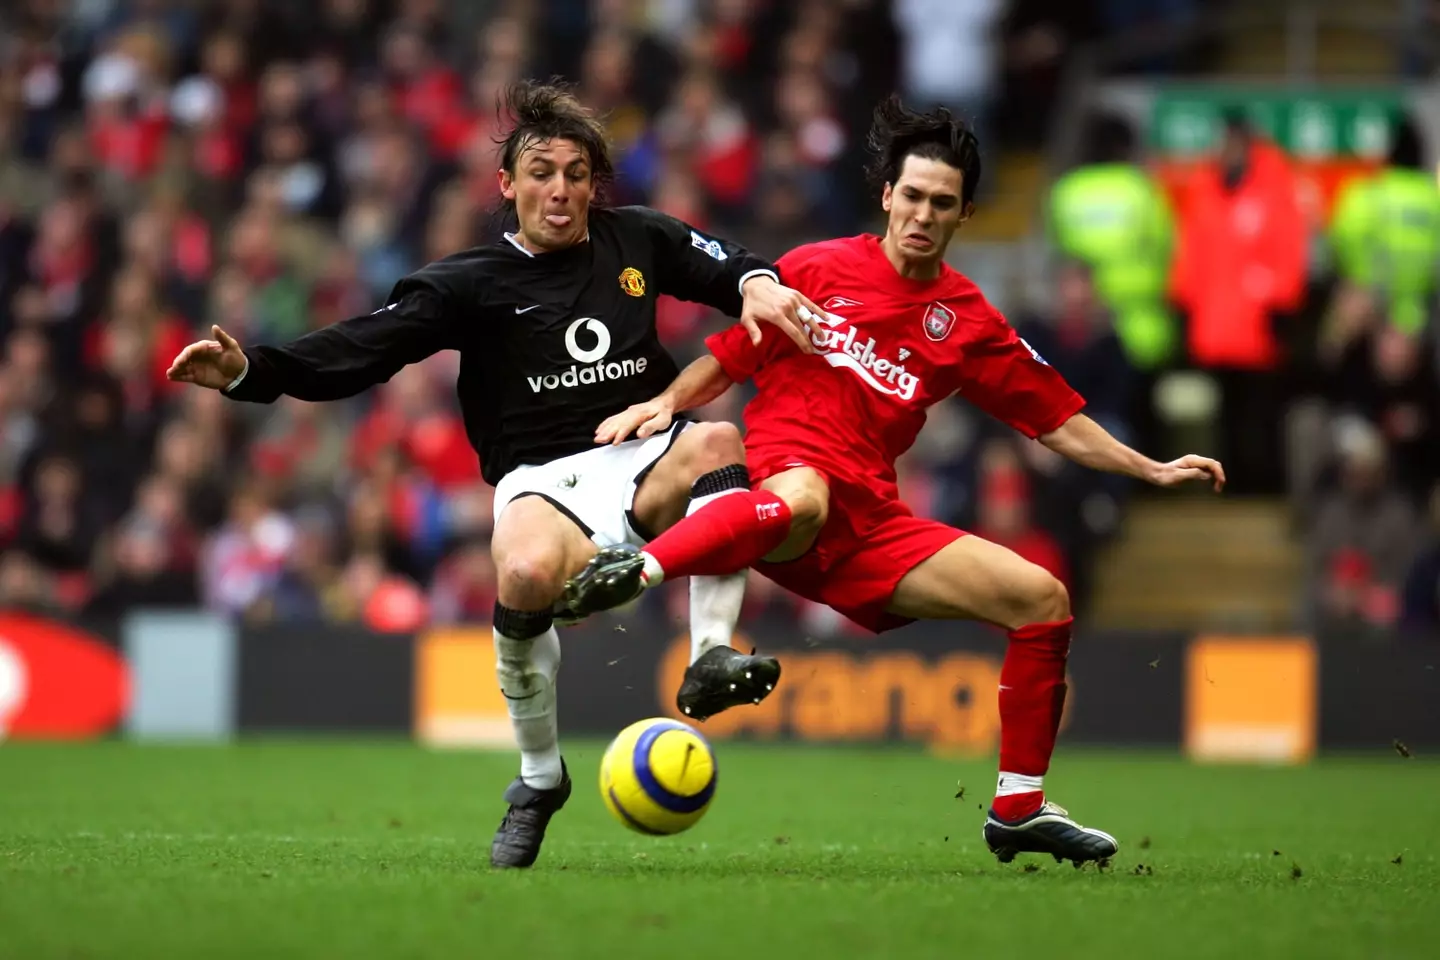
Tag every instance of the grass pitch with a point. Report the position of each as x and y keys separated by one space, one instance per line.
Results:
x=359 y=850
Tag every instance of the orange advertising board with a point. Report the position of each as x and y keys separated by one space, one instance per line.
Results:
x=1251 y=699
x=949 y=703
x=457 y=699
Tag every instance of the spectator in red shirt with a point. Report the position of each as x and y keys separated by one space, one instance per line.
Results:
x=137 y=340
x=409 y=415
x=704 y=125
x=464 y=587
x=426 y=89
x=128 y=112
x=246 y=557
x=1004 y=512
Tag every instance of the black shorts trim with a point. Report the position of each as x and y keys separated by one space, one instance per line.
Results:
x=644 y=532
x=584 y=527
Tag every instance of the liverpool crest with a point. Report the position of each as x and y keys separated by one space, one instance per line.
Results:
x=938 y=321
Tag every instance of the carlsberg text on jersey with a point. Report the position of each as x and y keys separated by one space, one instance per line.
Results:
x=842 y=351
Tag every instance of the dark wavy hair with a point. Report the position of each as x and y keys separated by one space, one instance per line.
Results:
x=533 y=112
x=897 y=132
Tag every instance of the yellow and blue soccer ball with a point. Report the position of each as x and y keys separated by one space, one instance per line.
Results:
x=658 y=776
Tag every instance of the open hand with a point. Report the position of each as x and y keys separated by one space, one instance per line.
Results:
x=1188 y=468
x=790 y=310
x=643 y=419
x=209 y=363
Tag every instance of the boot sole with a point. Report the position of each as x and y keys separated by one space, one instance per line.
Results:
x=750 y=685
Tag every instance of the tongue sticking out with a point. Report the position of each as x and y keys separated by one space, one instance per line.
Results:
x=557 y=220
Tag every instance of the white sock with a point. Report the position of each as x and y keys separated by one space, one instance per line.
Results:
x=714 y=601
x=527 y=670
x=714 y=610
x=651 y=573
x=1013 y=783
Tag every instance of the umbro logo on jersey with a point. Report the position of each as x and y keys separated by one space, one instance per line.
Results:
x=519 y=310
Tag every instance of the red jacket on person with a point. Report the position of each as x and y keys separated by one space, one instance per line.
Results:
x=1241 y=259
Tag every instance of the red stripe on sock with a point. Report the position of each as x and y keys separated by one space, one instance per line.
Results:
x=1032 y=698
x=724 y=536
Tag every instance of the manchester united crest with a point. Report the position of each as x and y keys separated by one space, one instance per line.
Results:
x=632 y=281
x=938 y=321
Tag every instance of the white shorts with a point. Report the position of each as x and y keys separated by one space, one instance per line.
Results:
x=595 y=488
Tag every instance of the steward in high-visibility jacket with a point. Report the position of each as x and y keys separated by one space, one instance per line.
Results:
x=1113 y=216
x=1385 y=233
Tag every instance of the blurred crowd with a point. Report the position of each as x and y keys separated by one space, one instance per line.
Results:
x=274 y=167
x=1292 y=332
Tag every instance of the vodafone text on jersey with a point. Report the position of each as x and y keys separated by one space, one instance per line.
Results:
x=599 y=372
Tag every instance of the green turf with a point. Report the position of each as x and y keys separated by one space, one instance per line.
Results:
x=349 y=850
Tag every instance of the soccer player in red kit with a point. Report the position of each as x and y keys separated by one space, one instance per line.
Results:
x=902 y=331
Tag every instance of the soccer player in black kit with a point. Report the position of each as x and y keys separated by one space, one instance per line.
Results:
x=555 y=326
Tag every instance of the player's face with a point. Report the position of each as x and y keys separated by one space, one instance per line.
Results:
x=925 y=209
x=552 y=189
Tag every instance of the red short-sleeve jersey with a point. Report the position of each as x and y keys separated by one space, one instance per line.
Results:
x=892 y=347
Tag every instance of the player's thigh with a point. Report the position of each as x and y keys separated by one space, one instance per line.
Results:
x=663 y=482
x=974 y=579
x=537 y=546
x=807 y=494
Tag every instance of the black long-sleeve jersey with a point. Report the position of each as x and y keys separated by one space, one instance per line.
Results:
x=550 y=344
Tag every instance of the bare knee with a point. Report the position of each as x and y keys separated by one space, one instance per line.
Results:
x=809 y=508
x=530 y=577
x=710 y=446
x=664 y=494
x=535 y=551
x=806 y=494
x=1038 y=597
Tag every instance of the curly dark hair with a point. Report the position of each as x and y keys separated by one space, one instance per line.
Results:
x=533 y=112
x=898 y=132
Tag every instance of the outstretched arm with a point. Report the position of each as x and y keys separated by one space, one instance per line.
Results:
x=697 y=385
x=331 y=363
x=1091 y=445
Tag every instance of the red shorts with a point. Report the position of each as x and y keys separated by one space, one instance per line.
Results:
x=865 y=549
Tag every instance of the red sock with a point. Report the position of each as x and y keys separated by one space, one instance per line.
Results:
x=724 y=536
x=1032 y=696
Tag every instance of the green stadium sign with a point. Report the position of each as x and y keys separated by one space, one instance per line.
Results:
x=1312 y=125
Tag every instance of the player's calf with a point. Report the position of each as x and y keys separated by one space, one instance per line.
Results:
x=725 y=536
x=667 y=492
